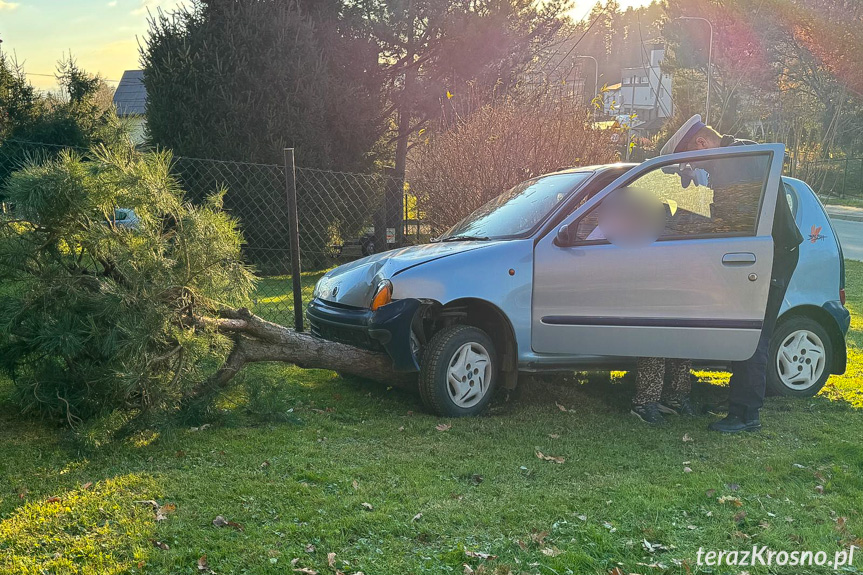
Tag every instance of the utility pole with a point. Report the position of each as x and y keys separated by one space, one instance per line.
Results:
x=595 y=81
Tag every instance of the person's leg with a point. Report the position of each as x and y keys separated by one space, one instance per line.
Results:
x=650 y=373
x=748 y=382
x=675 y=398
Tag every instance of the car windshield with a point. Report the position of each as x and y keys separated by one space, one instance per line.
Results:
x=517 y=211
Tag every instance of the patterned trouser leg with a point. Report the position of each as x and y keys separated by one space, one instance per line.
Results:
x=648 y=380
x=680 y=383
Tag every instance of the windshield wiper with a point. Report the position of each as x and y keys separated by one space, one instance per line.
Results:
x=464 y=239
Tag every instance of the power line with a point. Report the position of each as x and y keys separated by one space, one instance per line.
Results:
x=574 y=46
x=660 y=88
x=54 y=76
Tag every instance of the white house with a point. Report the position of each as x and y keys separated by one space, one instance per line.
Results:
x=644 y=91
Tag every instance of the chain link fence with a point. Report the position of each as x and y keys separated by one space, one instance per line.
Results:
x=837 y=178
x=338 y=216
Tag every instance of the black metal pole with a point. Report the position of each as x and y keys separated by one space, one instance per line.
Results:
x=845 y=179
x=294 y=231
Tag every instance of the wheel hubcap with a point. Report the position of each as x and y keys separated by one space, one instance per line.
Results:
x=801 y=359
x=469 y=374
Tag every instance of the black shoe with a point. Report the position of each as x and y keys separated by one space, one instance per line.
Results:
x=648 y=413
x=681 y=405
x=733 y=424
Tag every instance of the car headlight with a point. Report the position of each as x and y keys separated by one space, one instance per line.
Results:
x=383 y=295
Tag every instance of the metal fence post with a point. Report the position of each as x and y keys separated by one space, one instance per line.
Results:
x=294 y=231
x=845 y=179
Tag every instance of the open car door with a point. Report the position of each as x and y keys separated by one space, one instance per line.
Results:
x=697 y=289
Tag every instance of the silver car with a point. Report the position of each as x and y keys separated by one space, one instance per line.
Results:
x=548 y=277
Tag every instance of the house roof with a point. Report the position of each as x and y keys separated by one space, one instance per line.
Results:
x=130 y=98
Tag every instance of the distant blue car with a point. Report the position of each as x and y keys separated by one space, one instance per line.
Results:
x=566 y=272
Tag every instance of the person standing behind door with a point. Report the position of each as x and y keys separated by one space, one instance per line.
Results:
x=748 y=382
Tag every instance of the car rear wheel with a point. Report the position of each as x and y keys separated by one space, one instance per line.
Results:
x=458 y=375
x=801 y=353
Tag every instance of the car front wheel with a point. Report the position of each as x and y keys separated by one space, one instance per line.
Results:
x=801 y=353
x=459 y=371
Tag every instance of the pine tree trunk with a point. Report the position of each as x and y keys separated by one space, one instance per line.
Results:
x=258 y=340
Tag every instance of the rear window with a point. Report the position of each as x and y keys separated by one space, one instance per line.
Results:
x=791 y=197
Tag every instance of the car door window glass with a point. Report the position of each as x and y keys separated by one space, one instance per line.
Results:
x=714 y=197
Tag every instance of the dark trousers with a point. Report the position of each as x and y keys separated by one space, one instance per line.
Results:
x=749 y=378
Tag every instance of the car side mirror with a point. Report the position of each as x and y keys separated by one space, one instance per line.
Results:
x=564 y=236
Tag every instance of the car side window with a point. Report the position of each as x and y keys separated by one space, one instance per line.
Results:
x=791 y=196
x=715 y=197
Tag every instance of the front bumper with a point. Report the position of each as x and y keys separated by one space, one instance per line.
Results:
x=386 y=329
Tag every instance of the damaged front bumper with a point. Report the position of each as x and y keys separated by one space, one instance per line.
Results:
x=386 y=329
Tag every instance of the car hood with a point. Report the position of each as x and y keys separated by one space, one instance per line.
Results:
x=354 y=283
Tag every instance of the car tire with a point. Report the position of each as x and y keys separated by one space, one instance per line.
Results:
x=801 y=353
x=459 y=353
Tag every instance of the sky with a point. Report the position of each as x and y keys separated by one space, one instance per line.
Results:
x=102 y=35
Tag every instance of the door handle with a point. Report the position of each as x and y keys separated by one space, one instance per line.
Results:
x=738 y=259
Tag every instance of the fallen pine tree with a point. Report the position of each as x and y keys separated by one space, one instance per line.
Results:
x=98 y=314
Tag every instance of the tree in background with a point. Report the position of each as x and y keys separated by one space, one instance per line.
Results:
x=781 y=70
x=497 y=146
x=79 y=115
x=435 y=51
x=242 y=80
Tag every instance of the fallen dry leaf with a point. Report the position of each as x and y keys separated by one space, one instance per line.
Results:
x=616 y=571
x=305 y=571
x=687 y=470
x=53 y=499
x=310 y=548
x=355 y=484
x=468 y=570
x=367 y=506
x=555 y=459
x=160 y=544
x=331 y=560
x=733 y=500
x=554 y=435
x=149 y=502
x=560 y=407
x=220 y=521
x=687 y=438
x=740 y=516
x=480 y=555
x=710 y=492
x=840 y=523
x=551 y=551
x=417 y=517
x=476 y=479
x=203 y=565
x=538 y=537
x=87 y=485
x=265 y=464
x=443 y=427
x=819 y=489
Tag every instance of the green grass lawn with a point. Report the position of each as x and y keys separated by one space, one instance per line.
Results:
x=305 y=464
